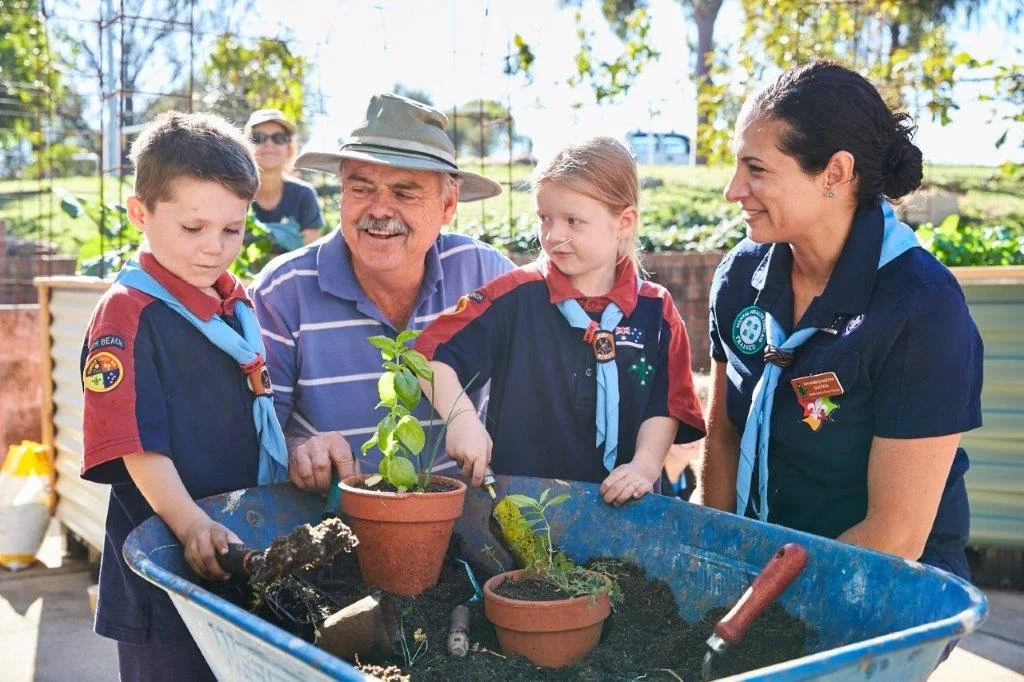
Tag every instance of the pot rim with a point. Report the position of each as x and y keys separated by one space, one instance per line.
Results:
x=346 y=486
x=493 y=581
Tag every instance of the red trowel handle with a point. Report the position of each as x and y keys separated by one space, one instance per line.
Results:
x=773 y=580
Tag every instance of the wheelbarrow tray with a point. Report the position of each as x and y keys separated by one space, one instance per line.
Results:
x=873 y=616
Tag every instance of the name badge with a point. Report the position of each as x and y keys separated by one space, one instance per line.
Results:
x=815 y=393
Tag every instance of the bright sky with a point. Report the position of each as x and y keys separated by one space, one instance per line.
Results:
x=454 y=50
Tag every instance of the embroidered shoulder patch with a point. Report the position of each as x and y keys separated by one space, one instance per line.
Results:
x=748 y=330
x=476 y=297
x=103 y=372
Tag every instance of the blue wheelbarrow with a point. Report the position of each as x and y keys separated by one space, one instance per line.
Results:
x=874 y=616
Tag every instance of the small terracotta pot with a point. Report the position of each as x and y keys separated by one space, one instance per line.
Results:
x=403 y=537
x=552 y=634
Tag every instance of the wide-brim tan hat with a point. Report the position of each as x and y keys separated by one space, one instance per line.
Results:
x=267 y=115
x=402 y=133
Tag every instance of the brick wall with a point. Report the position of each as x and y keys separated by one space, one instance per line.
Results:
x=21 y=260
x=20 y=388
x=687 y=276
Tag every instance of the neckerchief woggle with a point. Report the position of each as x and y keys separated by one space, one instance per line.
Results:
x=246 y=349
x=896 y=239
x=607 y=410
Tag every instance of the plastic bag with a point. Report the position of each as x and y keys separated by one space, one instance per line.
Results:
x=25 y=500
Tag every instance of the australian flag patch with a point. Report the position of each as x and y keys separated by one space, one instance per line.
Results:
x=632 y=337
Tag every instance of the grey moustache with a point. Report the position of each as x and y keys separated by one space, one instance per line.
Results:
x=382 y=225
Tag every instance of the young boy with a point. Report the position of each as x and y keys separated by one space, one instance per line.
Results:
x=175 y=408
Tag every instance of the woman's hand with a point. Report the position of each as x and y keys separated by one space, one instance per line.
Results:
x=626 y=482
x=203 y=541
x=468 y=444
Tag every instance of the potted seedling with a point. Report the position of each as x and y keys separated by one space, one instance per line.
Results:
x=552 y=611
x=403 y=515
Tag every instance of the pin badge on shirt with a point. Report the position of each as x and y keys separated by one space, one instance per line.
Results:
x=749 y=333
x=815 y=393
x=103 y=372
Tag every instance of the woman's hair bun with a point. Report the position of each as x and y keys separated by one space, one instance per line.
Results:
x=902 y=167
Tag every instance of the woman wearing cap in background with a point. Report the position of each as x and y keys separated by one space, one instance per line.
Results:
x=286 y=205
x=846 y=362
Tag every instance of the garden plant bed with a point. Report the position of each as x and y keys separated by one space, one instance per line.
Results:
x=644 y=636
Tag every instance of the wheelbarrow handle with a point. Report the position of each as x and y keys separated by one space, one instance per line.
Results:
x=784 y=566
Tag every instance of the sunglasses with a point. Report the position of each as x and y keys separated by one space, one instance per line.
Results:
x=277 y=138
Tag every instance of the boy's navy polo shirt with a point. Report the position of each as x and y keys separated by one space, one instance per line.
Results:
x=905 y=350
x=154 y=383
x=541 y=416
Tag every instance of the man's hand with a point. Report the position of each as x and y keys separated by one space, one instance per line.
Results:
x=468 y=444
x=626 y=482
x=204 y=540
x=310 y=460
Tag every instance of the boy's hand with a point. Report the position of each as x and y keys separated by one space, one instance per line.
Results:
x=468 y=444
x=203 y=541
x=626 y=482
x=310 y=460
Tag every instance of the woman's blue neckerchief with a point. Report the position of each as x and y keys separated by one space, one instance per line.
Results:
x=246 y=349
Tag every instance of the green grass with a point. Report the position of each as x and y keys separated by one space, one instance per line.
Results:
x=688 y=196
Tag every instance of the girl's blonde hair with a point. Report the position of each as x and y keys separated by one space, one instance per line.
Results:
x=601 y=168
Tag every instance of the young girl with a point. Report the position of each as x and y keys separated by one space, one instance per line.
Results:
x=589 y=364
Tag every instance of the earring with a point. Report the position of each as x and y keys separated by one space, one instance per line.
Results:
x=830 y=194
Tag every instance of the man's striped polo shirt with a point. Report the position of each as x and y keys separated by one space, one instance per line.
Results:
x=316 y=319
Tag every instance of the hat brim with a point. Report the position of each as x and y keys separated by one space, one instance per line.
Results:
x=473 y=187
x=283 y=122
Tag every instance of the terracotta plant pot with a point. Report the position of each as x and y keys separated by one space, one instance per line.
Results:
x=403 y=537
x=552 y=634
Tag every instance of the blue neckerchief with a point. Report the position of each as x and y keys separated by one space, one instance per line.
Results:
x=607 y=412
x=273 y=467
x=896 y=238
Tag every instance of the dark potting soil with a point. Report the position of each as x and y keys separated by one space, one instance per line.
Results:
x=530 y=589
x=643 y=637
x=382 y=486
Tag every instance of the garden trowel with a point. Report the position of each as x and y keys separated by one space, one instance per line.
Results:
x=784 y=566
x=508 y=526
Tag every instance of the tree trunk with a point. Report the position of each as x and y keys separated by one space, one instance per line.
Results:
x=704 y=14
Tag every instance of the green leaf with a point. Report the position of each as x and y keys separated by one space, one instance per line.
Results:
x=372 y=443
x=415 y=361
x=391 y=444
x=386 y=389
x=521 y=501
x=407 y=388
x=387 y=347
x=69 y=203
x=408 y=335
x=402 y=474
x=411 y=434
x=373 y=480
x=558 y=499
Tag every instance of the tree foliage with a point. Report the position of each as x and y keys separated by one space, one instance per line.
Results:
x=479 y=127
x=30 y=76
x=243 y=76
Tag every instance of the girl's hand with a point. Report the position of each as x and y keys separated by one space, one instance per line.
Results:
x=626 y=482
x=468 y=444
x=203 y=541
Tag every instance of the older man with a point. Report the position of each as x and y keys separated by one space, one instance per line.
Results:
x=387 y=269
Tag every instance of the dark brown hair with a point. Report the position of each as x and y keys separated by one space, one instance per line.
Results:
x=200 y=146
x=828 y=108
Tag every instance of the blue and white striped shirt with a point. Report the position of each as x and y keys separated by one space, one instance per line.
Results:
x=316 y=319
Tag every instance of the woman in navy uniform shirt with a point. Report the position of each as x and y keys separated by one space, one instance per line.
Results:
x=846 y=363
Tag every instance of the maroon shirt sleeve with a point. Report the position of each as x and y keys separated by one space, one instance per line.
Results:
x=117 y=360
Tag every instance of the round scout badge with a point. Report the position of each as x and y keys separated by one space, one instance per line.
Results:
x=103 y=372
x=749 y=331
x=602 y=341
